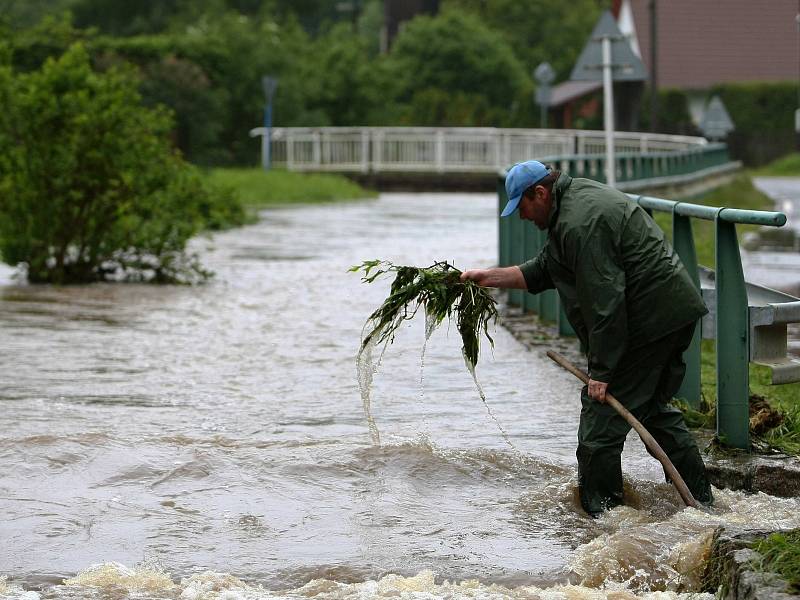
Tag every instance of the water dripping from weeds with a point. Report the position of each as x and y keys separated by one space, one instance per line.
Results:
x=471 y=369
x=440 y=291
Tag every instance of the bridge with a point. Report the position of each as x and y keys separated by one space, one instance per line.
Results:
x=644 y=161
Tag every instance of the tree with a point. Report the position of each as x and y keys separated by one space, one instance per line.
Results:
x=455 y=55
x=90 y=188
x=555 y=32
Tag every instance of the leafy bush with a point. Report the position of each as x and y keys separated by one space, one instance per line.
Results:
x=673 y=113
x=90 y=188
x=763 y=114
x=455 y=55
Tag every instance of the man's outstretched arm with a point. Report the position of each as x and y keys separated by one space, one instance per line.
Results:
x=497 y=277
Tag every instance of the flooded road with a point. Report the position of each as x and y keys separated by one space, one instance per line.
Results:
x=776 y=263
x=209 y=442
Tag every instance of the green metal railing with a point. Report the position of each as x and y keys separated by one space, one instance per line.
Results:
x=517 y=244
x=642 y=167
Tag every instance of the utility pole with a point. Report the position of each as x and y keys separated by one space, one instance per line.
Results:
x=608 y=113
x=270 y=84
x=653 y=65
x=608 y=57
x=544 y=76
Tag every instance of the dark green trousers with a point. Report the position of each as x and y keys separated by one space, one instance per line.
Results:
x=644 y=383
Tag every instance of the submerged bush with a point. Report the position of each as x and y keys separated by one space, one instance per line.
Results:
x=90 y=187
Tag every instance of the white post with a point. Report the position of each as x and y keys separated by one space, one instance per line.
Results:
x=377 y=150
x=608 y=112
x=365 y=150
x=289 y=150
x=316 y=149
x=265 y=151
x=440 y=151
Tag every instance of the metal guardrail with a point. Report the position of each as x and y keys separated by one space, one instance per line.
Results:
x=747 y=326
x=458 y=149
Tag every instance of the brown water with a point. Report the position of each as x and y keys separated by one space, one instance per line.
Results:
x=210 y=442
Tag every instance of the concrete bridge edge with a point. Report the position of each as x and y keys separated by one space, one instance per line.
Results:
x=674 y=187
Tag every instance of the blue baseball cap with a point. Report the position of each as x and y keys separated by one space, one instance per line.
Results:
x=519 y=178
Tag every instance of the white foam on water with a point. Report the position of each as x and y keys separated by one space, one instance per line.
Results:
x=212 y=585
x=648 y=554
x=144 y=583
x=143 y=578
x=423 y=586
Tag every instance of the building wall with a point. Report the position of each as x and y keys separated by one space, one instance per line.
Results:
x=395 y=12
x=704 y=42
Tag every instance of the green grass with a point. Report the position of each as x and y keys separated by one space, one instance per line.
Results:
x=257 y=188
x=781 y=554
x=739 y=194
x=785 y=398
x=786 y=166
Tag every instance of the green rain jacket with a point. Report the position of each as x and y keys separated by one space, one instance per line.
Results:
x=621 y=283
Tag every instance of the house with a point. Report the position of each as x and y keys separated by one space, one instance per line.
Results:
x=693 y=45
x=700 y=43
x=396 y=12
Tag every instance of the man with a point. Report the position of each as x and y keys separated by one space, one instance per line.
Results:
x=632 y=305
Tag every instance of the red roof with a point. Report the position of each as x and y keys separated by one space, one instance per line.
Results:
x=704 y=42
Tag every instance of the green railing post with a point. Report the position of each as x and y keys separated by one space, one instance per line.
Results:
x=732 y=339
x=503 y=237
x=683 y=241
x=517 y=255
x=530 y=302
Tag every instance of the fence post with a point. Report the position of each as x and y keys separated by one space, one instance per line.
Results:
x=517 y=252
x=503 y=234
x=365 y=150
x=289 y=151
x=377 y=150
x=440 y=151
x=733 y=352
x=316 y=149
x=683 y=241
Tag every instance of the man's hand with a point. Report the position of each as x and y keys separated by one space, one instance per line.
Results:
x=479 y=276
x=597 y=390
x=499 y=277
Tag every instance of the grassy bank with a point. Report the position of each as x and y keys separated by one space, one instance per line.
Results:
x=257 y=188
x=786 y=166
x=781 y=554
x=785 y=398
x=740 y=194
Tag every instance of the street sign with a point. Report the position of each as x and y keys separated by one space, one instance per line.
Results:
x=626 y=66
x=270 y=84
x=608 y=57
x=544 y=75
x=716 y=122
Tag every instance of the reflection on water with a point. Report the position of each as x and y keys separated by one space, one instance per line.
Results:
x=202 y=442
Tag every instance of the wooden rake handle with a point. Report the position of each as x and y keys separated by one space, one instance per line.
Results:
x=648 y=439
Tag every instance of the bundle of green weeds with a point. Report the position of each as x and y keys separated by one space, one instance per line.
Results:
x=440 y=291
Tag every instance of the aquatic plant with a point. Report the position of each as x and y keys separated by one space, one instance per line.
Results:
x=437 y=288
x=440 y=291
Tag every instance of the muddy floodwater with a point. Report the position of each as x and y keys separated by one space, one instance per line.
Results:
x=210 y=442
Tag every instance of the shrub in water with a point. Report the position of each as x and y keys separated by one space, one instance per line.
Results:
x=90 y=187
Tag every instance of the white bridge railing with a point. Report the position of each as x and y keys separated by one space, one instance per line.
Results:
x=446 y=150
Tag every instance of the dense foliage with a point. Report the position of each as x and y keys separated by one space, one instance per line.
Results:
x=90 y=188
x=204 y=59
